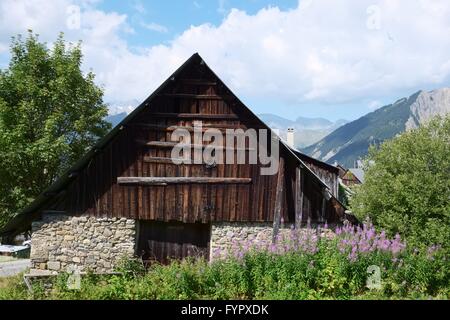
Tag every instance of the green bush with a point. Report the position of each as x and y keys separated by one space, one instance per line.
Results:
x=407 y=185
x=327 y=274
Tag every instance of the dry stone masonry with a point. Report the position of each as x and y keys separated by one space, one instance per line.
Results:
x=62 y=242
x=224 y=234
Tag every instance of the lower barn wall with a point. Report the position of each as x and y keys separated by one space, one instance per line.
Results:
x=228 y=235
x=62 y=242
x=225 y=235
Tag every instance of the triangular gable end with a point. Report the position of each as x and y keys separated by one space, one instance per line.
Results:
x=191 y=66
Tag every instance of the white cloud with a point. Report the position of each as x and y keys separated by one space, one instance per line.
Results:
x=154 y=27
x=320 y=52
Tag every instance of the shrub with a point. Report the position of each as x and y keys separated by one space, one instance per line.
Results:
x=407 y=185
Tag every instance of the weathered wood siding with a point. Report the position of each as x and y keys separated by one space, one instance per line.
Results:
x=141 y=149
x=162 y=241
x=327 y=173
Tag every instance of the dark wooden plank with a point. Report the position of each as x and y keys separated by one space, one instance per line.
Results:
x=278 y=200
x=132 y=172
x=160 y=171
x=171 y=144
x=194 y=115
x=196 y=96
x=299 y=188
x=161 y=181
x=254 y=190
x=323 y=216
x=205 y=127
x=200 y=82
x=233 y=195
x=140 y=192
x=170 y=191
x=164 y=160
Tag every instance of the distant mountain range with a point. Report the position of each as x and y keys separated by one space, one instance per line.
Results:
x=118 y=110
x=351 y=141
x=114 y=119
x=300 y=122
x=307 y=130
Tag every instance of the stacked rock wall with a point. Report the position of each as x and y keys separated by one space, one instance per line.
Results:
x=64 y=243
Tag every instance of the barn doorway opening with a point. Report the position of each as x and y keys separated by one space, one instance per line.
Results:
x=165 y=241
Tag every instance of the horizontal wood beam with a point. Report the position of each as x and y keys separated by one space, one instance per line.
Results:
x=160 y=160
x=195 y=116
x=201 y=82
x=161 y=181
x=172 y=128
x=166 y=160
x=196 y=96
x=205 y=126
x=170 y=144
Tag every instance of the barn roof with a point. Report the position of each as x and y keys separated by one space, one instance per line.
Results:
x=30 y=213
x=358 y=173
x=319 y=163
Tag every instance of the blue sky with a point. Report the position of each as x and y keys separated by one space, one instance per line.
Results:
x=313 y=58
x=176 y=16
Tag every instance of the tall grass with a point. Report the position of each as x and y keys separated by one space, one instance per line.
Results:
x=327 y=268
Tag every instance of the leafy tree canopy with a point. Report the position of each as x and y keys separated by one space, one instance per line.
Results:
x=407 y=187
x=50 y=113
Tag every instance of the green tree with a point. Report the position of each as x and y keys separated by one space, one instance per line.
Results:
x=50 y=113
x=407 y=186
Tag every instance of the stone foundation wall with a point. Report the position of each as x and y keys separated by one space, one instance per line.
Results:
x=61 y=242
x=225 y=234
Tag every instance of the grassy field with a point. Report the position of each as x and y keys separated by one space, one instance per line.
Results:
x=308 y=268
x=257 y=276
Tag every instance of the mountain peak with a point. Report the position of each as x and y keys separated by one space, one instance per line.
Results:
x=351 y=141
x=307 y=130
x=427 y=105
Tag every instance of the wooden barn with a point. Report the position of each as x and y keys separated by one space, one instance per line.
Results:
x=126 y=197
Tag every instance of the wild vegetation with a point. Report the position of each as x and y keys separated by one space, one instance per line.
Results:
x=308 y=265
x=50 y=114
x=407 y=185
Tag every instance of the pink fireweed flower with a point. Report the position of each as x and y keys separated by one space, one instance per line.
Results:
x=350 y=241
x=273 y=248
x=363 y=240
